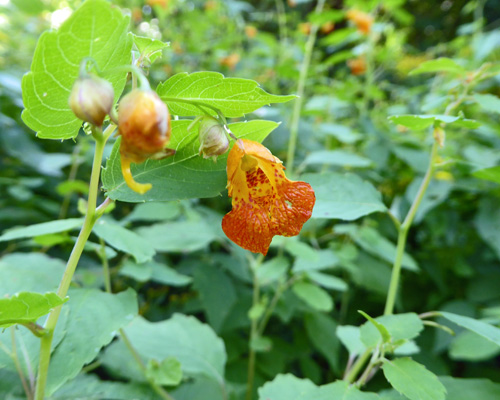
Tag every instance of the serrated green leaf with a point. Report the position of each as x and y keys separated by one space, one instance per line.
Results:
x=43 y=228
x=384 y=333
x=442 y=64
x=488 y=102
x=95 y=30
x=413 y=380
x=186 y=174
x=313 y=296
x=234 y=97
x=343 y=196
x=148 y=47
x=489 y=174
x=470 y=346
x=91 y=325
x=124 y=240
x=26 y=307
x=489 y=332
x=167 y=372
x=399 y=327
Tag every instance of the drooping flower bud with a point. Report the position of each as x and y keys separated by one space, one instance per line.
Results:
x=144 y=125
x=213 y=138
x=91 y=99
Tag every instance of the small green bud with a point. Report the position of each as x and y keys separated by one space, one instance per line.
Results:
x=213 y=138
x=91 y=99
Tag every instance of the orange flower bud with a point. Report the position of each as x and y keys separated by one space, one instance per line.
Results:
x=250 y=31
x=363 y=21
x=230 y=61
x=305 y=28
x=327 y=27
x=213 y=138
x=144 y=125
x=91 y=99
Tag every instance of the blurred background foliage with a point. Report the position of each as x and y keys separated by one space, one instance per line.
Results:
x=197 y=271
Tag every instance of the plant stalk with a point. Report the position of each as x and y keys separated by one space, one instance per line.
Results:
x=403 y=233
x=88 y=224
x=297 y=107
x=19 y=370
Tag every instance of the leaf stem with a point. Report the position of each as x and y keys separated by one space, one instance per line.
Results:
x=88 y=224
x=403 y=233
x=297 y=107
x=353 y=372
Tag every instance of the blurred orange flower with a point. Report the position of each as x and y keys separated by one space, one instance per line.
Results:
x=161 y=3
x=357 y=65
x=250 y=31
x=305 y=28
x=327 y=27
x=230 y=61
x=362 y=20
x=265 y=202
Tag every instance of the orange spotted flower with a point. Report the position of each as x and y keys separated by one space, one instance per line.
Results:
x=265 y=203
x=363 y=21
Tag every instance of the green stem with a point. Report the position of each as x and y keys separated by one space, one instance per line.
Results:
x=297 y=107
x=88 y=224
x=272 y=305
x=19 y=370
x=280 y=9
x=403 y=233
x=353 y=372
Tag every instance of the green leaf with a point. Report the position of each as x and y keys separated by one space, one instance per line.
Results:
x=313 y=296
x=420 y=122
x=325 y=259
x=487 y=222
x=95 y=30
x=399 y=327
x=149 y=48
x=467 y=389
x=184 y=175
x=26 y=307
x=374 y=243
x=167 y=372
x=327 y=281
x=154 y=212
x=342 y=390
x=90 y=387
x=488 y=102
x=154 y=271
x=194 y=344
x=124 y=240
x=382 y=330
x=217 y=293
x=350 y=336
x=261 y=344
x=470 y=346
x=343 y=196
x=413 y=380
x=43 y=228
x=94 y=319
x=483 y=329
x=272 y=271
x=339 y=158
x=442 y=64
x=182 y=236
x=489 y=174
x=234 y=97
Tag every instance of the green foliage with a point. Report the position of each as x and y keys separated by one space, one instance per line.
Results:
x=95 y=30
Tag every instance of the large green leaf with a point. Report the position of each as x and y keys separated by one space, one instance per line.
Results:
x=489 y=174
x=351 y=338
x=413 y=380
x=343 y=196
x=487 y=222
x=466 y=389
x=194 y=344
x=488 y=102
x=154 y=271
x=125 y=240
x=94 y=319
x=419 y=122
x=399 y=326
x=470 y=346
x=184 y=175
x=490 y=332
x=43 y=228
x=313 y=296
x=340 y=158
x=234 y=97
x=25 y=307
x=95 y=30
